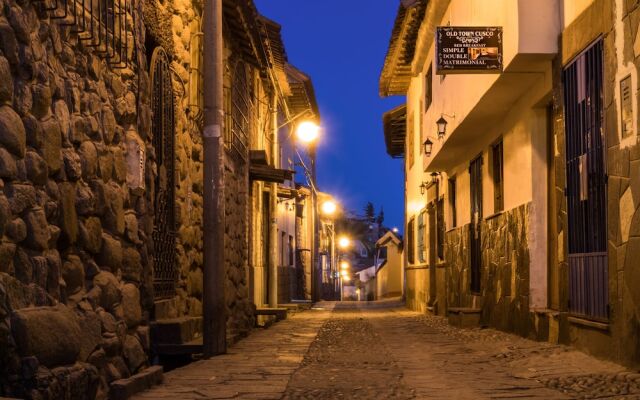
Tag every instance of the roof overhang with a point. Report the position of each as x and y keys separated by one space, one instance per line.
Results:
x=396 y=72
x=276 y=53
x=389 y=237
x=395 y=130
x=260 y=170
x=303 y=97
x=241 y=20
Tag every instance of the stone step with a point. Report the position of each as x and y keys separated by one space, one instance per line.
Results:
x=123 y=389
x=464 y=317
x=280 y=313
x=176 y=330
x=265 y=321
x=177 y=349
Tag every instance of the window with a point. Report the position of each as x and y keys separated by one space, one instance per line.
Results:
x=291 y=246
x=498 y=178
x=428 y=89
x=410 y=244
x=421 y=233
x=452 y=202
x=440 y=228
x=382 y=255
x=410 y=140
x=283 y=236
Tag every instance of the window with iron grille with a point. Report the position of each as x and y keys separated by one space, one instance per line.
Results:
x=291 y=247
x=238 y=109
x=107 y=26
x=428 y=89
x=452 y=202
x=165 y=271
x=411 y=257
x=498 y=177
x=440 y=228
x=410 y=140
x=422 y=250
x=586 y=184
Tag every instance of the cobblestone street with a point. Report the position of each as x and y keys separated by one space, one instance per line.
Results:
x=382 y=351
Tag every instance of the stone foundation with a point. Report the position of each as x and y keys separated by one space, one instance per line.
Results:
x=504 y=296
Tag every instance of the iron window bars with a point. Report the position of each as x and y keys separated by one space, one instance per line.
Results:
x=105 y=25
x=586 y=184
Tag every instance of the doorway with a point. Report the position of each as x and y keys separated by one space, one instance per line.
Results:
x=475 y=243
x=586 y=184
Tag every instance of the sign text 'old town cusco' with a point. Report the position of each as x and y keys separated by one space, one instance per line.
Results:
x=468 y=50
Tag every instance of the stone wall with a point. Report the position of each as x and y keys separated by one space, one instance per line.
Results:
x=504 y=296
x=240 y=310
x=74 y=229
x=617 y=340
x=185 y=17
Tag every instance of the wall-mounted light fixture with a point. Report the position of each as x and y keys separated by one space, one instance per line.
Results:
x=423 y=187
x=428 y=147
x=442 y=125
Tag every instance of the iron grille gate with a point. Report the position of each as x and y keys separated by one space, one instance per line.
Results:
x=238 y=110
x=165 y=272
x=586 y=184
x=475 y=231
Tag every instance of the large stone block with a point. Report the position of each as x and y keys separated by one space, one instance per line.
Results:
x=68 y=215
x=114 y=212
x=23 y=266
x=52 y=145
x=72 y=164
x=131 y=265
x=8 y=166
x=110 y=293
x=133 y=353
x=73 y=274
x=131 y=305
x=110 y=256
x=6 y=82
x=38 y=234
x=12 y=133
x=89 y=159
x=49 y=333
x=37 y=170
x=21 y=196
x=91 y=234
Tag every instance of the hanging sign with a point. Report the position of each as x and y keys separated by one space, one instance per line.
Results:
x=468 y=50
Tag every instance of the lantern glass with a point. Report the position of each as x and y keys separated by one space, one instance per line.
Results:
x=442 y=127
x=428 y=147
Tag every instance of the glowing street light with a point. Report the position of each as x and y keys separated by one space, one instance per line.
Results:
x=344 y=242
x=307 y=131
x=344 y=266
x=329 y=207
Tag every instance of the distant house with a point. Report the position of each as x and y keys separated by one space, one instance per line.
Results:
x=389 y=266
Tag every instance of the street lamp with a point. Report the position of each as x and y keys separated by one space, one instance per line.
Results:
x=329 y=207
x=344 y=266
x=307 y=132
x=344 y=242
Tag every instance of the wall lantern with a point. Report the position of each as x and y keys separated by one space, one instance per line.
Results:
x=428 y=147
x=423 y=187
x=442 y=127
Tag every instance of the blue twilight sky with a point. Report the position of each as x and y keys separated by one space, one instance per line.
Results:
x=341 y=44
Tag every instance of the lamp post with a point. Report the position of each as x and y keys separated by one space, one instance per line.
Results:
x=307 y=133
x=328 y=209
x=344 y=243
